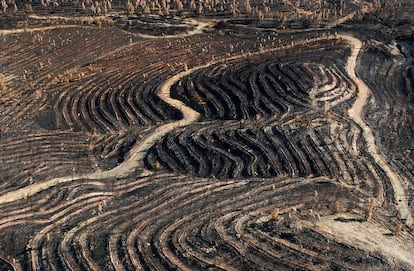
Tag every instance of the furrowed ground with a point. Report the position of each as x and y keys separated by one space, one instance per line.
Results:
x=216 y=144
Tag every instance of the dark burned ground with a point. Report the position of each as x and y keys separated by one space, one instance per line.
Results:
x=246 y=187
x=391 y=79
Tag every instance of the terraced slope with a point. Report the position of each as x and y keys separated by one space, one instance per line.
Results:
x=166 y=221
x=227 y=153
x=394 y=99
x=267 y=121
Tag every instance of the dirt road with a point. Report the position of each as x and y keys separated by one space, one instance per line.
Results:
x=137 y=153
x=370 y=236
x=356 y=112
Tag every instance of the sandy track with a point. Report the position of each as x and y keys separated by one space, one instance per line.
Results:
x=139 y=151
x=370 y=236
x=199 y=27
x=35 y=29
x=70 y=19
x=356 y=114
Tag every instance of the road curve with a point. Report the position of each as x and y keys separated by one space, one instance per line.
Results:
x=365 y=235
x=369 y=236
x=189 y=115
x=356 y=114
x=199 y=27
x=137 y=153
x=34 y=29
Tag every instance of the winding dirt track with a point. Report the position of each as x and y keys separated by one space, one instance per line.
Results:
x=369 y=236
x=35 y=29
x=356 y=113
x=139 y=151
x=189 y=116
x=198 y=29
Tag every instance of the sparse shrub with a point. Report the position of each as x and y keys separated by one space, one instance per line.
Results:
x=275 y=214
x=242 y=121
x=368 y=211
x=397 y=229
x=157 y=165
x=336 y=207
x=130 y=8
x=315 y=197
x=2 y=84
